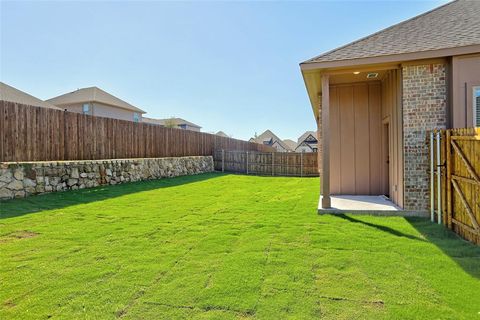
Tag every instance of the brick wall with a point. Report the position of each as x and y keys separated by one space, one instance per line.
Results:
x=424 y=108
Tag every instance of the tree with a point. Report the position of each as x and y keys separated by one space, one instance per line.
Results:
x=170 y=123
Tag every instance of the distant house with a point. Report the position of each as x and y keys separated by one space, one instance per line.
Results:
x=11 y=94
x=270 y=139
x=307 y=142
x=221 y=134
x=177 y=123
x=290 y=143
x=96 y=102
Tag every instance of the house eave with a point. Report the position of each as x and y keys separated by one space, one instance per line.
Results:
x=446 y=52
x=63 y=104
x=312 y=71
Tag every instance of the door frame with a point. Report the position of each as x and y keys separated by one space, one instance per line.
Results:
x=386 y=157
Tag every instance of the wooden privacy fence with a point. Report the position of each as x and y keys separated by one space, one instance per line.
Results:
x=40 y=134
x=458 y=162
x=267 y=163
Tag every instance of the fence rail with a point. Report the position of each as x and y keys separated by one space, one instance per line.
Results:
x=267 y=163
x=30 y=133
x=456 y=199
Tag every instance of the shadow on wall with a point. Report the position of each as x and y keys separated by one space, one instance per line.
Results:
x=18 y=207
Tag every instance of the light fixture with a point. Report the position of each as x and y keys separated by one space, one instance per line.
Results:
x=356 y=72
x=372 y=75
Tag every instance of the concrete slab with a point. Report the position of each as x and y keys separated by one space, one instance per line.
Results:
x=373 y=205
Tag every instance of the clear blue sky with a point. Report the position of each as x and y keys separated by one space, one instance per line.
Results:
x=226 y=66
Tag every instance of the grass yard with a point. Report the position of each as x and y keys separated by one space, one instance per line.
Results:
x=225 y=247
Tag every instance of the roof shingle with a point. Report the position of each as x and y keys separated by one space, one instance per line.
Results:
x=455 y=24
x=92 y=94
x=9 y=93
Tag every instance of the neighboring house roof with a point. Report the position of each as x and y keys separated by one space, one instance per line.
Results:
x=269 y=138
x=305 y=136
x=92 y=94
x=455 y=24
x=174 y=121
x=222 y=134
x=304 y=144
x=290 y=143
x=9 y=93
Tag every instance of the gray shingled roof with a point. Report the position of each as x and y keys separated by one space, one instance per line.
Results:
x=269 y=135
x=455 y=24
x=305 y=135
x=9 y=93
x=94 y=94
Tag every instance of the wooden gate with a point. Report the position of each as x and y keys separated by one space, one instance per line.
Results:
x=460 y=153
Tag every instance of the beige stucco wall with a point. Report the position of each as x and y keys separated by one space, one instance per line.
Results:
x=465 y=75
x=192 y=128
x=102 y=110
x=78 y=108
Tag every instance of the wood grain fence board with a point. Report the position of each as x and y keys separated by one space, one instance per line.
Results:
x=461 y=183
x=40 y=134
x=260 y=163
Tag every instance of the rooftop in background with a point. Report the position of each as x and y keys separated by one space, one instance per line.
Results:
x=92 y=94
x=269 y=138
x=222 y=134
x=306 y=134
x=174 y=121
x=9 y=93
x=453 y=25
x=290 y=143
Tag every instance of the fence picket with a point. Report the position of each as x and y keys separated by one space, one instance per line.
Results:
x=30 y=133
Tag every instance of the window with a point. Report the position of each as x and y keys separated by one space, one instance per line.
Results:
x=86 y=108
x=136 y=117
x=476 y=106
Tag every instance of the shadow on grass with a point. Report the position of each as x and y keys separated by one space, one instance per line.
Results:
x=464 y=253
x=380 y=227
x=18 y=207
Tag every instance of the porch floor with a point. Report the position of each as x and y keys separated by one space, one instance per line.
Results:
x=375 y=205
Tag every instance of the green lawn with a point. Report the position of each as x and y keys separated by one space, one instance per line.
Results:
x=225 y=247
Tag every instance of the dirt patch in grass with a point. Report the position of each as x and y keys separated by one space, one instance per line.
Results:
x=17 y=235
x=9 y=304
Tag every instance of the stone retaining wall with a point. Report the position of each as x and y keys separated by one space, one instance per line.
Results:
x=18 y=180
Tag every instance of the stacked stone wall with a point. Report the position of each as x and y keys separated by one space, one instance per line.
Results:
x=18 y=180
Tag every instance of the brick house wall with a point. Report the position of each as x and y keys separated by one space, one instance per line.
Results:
x=424 y=109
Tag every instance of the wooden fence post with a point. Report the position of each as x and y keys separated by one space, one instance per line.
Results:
x=223 y=160
x=439 y=179
x=432 y=176
x=449 y=179
x=246 y=160
x=301 y=164
x=273 y=164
